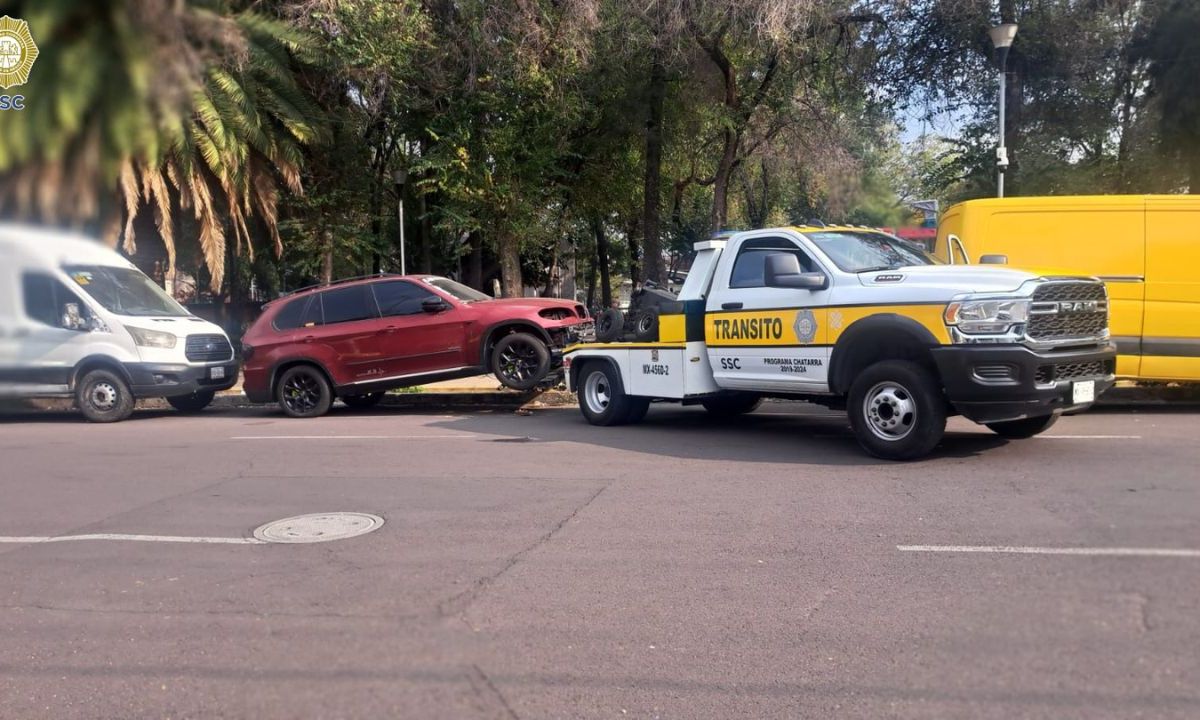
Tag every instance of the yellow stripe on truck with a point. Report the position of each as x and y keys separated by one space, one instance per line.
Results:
x=672 y=328
x=784 y=328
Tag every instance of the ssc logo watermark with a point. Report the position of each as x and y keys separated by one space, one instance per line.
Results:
x=18 y=51
x=805 y=326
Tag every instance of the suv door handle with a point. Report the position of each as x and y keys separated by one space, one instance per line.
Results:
x=390 y=329
x=309 y=338
x=731 y=306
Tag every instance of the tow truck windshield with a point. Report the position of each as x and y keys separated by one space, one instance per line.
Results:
x=858 y=252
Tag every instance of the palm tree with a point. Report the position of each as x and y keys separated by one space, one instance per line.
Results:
x=167 y=108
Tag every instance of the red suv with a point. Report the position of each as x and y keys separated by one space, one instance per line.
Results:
x=356 y=339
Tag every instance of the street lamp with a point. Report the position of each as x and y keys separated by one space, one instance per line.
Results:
x=1002 y=39
x=399 y=177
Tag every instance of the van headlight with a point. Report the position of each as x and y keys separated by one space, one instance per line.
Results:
x=152 y=338
x=987 y=317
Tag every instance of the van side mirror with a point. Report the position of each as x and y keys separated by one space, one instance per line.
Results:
x=72 y=319
x=993 y=260
x=782 y=270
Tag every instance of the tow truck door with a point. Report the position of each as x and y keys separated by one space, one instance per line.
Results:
x=762 y=338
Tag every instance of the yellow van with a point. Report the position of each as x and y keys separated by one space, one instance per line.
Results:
x=1146 y=248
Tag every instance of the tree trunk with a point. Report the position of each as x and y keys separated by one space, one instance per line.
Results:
x=327 y=258
x=651 y=201
x=1194 y=173
x=602 y=263
x=475 y=261
x=509 y=247
x=426 y=237
x=634 y=252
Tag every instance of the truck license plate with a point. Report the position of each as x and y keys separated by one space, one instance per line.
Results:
x=1083 y=392
x=218 y=373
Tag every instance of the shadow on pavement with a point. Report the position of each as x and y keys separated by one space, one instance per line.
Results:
x=783 y=433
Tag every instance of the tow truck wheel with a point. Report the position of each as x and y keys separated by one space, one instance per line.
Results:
x=603 y=401
x=731 y=404
x=1021 y=429
x=896 y=410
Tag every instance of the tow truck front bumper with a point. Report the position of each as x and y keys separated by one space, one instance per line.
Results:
x=995 y=383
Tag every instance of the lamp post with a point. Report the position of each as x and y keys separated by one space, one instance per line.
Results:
x=1002 y=39
x=399 y=177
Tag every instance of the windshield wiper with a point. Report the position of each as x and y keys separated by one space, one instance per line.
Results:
x=877 y=268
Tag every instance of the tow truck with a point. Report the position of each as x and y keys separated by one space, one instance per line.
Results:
x=859 y=320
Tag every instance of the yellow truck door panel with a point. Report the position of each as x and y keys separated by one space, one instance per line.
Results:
x=1171 y=330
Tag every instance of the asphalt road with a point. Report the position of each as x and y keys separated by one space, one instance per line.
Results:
x=536 y=567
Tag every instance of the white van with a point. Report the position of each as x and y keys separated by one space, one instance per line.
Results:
x=78 y=320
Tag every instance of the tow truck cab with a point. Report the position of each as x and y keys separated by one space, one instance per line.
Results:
x=857 y=319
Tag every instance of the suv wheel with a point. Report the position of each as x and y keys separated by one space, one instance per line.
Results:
x=103 y=397
x=195 y=402
x=896 y=410
x=520 y=361
x=304 y=392
x=1021 y=429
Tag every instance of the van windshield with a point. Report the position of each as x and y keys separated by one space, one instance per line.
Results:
x=868 y=251
x=124 y=291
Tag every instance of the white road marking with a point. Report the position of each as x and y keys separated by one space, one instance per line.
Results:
x=1089 y=437
x=135 y=538
x=1016 y=550
x=355 y=437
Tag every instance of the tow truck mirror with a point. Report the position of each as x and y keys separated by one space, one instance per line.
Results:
x=993 y=260
x=782 y=270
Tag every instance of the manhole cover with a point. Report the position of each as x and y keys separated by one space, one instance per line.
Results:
x=319 y=527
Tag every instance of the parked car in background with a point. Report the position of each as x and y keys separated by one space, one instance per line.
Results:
x=78 y=320
x=356 y=339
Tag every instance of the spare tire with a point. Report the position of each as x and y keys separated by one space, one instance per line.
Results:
x=610 y=325
x=645 y=327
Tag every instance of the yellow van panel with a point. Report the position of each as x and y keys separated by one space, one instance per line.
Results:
x=1172 y=314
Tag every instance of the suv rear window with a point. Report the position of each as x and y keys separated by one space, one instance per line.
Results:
x=348 y=304
x=289 y=316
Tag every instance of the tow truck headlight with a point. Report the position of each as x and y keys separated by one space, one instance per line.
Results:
x=152 y=338
x=984 y=317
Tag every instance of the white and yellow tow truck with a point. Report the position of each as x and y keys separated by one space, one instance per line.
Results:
x=856 y=319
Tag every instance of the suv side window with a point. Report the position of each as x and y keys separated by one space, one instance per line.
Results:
x=348 y=304
x=400 y=297
x=752 y=261
x=46 y=300
x=290 y=316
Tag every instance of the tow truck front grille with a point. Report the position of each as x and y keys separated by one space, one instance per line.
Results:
x=1068 y=311
x=1048 y=374
x=208 y=348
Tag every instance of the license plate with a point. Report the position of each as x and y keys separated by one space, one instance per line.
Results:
x=1083 y=392
x=218 y=373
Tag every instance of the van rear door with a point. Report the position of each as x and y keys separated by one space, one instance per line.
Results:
x=1171 y=325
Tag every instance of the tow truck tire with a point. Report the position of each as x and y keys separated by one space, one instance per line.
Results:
x=602 y=399
x=645 y=326
x=195 y=402
x=638 y=407
x=897 y=410
x=103 y=397
x=1025 y=428
x=731 y=404
x=609 y=325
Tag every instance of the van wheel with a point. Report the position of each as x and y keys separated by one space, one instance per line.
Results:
x=732 y=404
x=362 y=402
x=304 y=392
x=1025 y=428
x=520 y=361
x=195 y=402
x=103 y=397
x=603 y=401
x=897 y=410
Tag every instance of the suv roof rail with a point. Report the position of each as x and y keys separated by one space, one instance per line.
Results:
x=341 y=281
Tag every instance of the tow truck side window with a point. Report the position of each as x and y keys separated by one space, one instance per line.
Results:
x=752 y=260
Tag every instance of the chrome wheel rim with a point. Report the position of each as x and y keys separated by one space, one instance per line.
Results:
x=103 y=396
x=519 y=361
x=597 y=393
x=890 y=411
x=301 y=393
